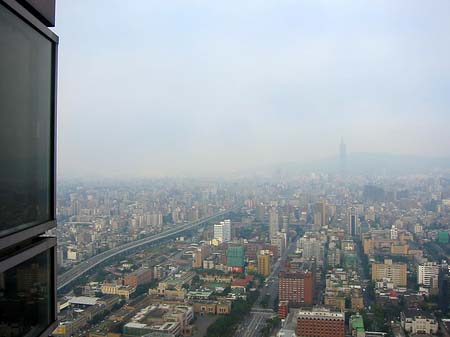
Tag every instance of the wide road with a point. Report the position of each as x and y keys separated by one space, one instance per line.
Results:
x=252 y=325
x=80 y=269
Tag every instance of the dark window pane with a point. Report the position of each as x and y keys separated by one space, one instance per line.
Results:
x=25 y=125
x=26 y=307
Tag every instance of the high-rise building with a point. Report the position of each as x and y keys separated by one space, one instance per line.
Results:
x=274 y=221
x=28 y=59
x=226 y=230
x=426 y=272
x=296 y=287
x=285 y=223
x=311 y=248
x=444 y=287
x=320 y=214
x=395 y=272
x=264 y=265
x=236 y=257
x=222 y=231
x=353 y=221
x=280 y=242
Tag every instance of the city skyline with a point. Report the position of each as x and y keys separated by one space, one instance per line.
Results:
x=191 y=168
x=182 y=83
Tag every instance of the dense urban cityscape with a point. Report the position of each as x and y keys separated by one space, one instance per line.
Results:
x=180 y=168
x=306 y=255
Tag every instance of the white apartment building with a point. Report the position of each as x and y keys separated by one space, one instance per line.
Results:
x=426 y=271
x=222 y=231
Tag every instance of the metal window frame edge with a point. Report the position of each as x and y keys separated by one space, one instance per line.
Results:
x=33 y=231
x=15 y=259
x=45 y=243
x=21 y=11
x=23 y=235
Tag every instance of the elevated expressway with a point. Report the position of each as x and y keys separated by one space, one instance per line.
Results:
x=85 y=266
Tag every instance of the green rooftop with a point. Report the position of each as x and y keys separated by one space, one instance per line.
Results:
x=357 y=323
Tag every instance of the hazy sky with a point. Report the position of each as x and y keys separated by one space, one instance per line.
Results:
x=171 y=87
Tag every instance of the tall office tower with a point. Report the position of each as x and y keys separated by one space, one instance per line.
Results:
x=394 y=272
x=296 y=287
x=264 y=265
x=273 y=223
x=218 y=232
x=27 y=173
x=226 y=230
x=320 y=322
x=285 y=223
x=280 y=242
x=343 y=157
x=426 y=272
x=353 y=221
x=222 y=231
x=320 y=214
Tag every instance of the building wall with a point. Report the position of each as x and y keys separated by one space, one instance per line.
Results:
x=335 y=301
x=425 y=272
x=320 y=327
x=396 y=272
x=212 y=308
x=138 y=278
x=235 y=256
x=264 y=265
x=296 y=287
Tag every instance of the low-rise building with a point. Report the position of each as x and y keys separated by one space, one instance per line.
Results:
x=356 y=325
x=212 y=307
x=116 y=289
x=416 y=321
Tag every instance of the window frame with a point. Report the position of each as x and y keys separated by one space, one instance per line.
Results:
x=42 y=245
x=19 y=234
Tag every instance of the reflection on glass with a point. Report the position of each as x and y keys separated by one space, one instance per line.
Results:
x=25 y=125
x=25 y=297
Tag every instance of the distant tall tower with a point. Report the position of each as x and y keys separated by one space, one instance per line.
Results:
x=320 y=214
x=273 y=223
x=343 y=156
x=353 y=221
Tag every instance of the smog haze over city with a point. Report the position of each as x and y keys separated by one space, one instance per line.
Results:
x=163 y=88
x=225 y=168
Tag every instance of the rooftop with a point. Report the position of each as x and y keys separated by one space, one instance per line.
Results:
x=83 y=300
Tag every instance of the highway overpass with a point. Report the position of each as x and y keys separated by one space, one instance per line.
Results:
x=85 y=266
